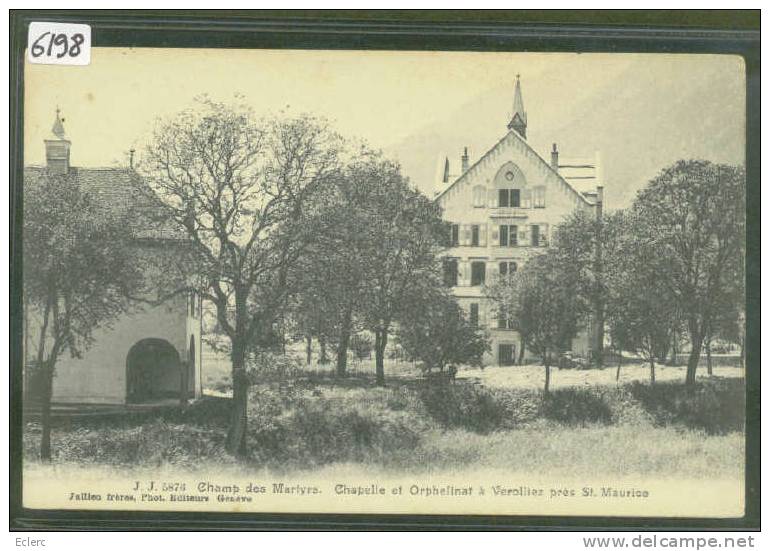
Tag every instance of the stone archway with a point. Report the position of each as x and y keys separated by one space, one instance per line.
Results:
x=152 y=371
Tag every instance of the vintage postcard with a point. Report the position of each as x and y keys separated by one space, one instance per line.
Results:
x=412 y=282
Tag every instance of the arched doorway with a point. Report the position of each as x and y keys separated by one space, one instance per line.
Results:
x=191 y=367
x=152 y=371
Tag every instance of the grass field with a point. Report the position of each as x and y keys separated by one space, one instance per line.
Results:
x=497 y=418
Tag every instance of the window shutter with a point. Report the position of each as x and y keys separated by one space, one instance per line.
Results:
x=492 y=198
x=523 y=236
x=479 y=196
x=526 y=198
x=483 y=235
x=545 y=239
x=495 y=234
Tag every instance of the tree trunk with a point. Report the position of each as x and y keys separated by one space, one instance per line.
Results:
x=380 y=341
x=598 y=294
x=521 y=352
x=308 y=349
x=236 y=435
x=709 y=368
x=652 y=370
x=696 y=341
x=620 y=363
x=45 y=414
x=674 y=349
x=323 y=359
x=344 y=341
x=547 y=362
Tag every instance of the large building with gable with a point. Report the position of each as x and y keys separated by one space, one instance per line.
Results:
x=152 y=352
x=503 y=209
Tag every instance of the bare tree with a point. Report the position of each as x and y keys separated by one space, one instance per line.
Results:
x=243 y=191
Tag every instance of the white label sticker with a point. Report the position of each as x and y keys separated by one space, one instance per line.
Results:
x=59 y=43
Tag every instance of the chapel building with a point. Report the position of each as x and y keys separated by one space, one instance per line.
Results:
x=141 y=356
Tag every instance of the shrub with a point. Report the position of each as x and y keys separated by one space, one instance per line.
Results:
x=266 y=366
x=574 y=406
x=715 y=406
x=302 y=429
x=466 y=406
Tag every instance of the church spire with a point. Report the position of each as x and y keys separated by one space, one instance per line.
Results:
x=519 y=117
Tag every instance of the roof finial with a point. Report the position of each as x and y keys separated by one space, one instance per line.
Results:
x=519 y=118
x=58 y=126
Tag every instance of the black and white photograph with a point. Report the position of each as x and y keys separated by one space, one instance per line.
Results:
x=385 y=282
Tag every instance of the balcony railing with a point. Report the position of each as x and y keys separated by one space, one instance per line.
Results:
x=509 y=212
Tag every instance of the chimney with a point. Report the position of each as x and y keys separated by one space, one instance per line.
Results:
x=445 y=178
x=555 y=158
x=599 y=203
x=464 y=160
x=57 y=148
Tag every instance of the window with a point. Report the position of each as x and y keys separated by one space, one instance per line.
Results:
x=502 y=198
x=450 y=272
x=475 y=236
x=455 y=235
x=503 y=322
x=513 y=236
x=479 y=196
x=507 y=268
x=535 y=236
x=474 y=314
x=539 y=235
x=538 y=194
x=478 y=273
x=509 y=198
x=505 y=354
x=508 y=236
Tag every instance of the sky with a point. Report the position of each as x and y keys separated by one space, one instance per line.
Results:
x=641 y=112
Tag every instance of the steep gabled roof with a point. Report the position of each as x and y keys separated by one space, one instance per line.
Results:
x=124 y=190
x=513 y=135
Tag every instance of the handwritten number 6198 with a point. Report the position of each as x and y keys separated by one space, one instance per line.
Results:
x=68 y=46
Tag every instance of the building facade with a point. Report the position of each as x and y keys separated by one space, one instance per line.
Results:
x=503 y=210
x=153 y=349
